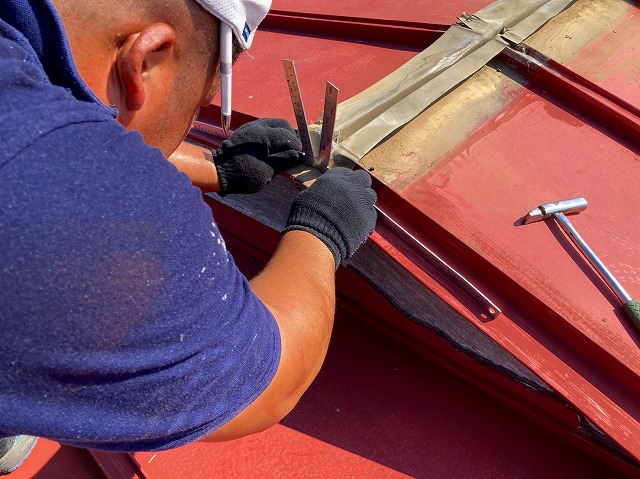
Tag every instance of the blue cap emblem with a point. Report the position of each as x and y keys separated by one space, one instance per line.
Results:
x=246 y=32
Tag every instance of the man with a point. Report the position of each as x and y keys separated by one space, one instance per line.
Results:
x=125 y=323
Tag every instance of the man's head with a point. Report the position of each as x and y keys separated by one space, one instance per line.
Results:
x=155 y=60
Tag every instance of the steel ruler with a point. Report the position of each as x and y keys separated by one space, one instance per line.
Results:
x=298 y=110
x=328 y=119
x=328 y=125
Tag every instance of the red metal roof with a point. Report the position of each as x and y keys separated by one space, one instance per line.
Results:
x=423 y=11
x=533 y=136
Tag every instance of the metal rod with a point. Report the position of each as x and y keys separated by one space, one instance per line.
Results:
x=592 y=257
x=208 y=128
x=444 y=268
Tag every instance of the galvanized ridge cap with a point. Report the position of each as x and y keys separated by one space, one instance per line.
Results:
x=516 y=34
x=506 y=13
x=460 y=41
x=456 y=43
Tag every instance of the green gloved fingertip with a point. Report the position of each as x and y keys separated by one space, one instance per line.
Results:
x=632 y=310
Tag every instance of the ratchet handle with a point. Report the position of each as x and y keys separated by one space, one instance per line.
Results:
x=632 y=310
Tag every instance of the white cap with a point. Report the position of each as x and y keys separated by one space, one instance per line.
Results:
x=243 y=16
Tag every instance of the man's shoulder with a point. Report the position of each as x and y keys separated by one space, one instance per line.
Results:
x=30 y=105
x=31 y=108
x=13 y=45
x=100 y=162
x=22 y=76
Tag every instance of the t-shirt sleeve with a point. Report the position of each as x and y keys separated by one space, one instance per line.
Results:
x=126 y=324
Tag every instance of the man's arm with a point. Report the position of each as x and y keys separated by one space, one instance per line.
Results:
x=197 y=163
x=298 y=286
x=327 y=223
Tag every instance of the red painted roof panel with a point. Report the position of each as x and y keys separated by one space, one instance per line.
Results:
x=378 y=410
x=612 y=60
x=539 y=147
x=504 y=169
x=260 y=87
x=429 y=11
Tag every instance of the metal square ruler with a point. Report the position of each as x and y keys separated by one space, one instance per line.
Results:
x=321 y=161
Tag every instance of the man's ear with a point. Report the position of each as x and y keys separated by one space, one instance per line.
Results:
x=140 y=54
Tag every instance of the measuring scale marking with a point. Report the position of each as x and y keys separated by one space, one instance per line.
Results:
x=298 y=110
x=328 y=125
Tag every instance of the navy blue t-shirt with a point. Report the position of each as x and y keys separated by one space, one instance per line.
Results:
x=124 y=322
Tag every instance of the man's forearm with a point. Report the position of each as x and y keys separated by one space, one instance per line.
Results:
x=197 y=163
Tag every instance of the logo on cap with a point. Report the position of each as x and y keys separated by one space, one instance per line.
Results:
x=246 y=32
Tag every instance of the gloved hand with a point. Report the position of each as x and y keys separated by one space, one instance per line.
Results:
x=255 y=153
x=338 y=209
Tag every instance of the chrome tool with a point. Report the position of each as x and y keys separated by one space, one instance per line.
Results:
x=558 y=210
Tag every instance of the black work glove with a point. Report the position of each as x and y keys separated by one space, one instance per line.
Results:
x=255 y=153
x=338 y=209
